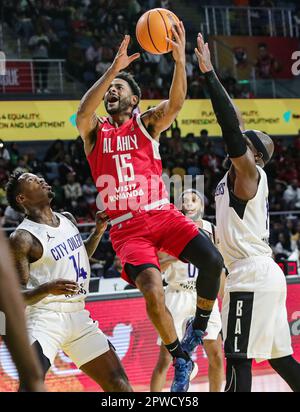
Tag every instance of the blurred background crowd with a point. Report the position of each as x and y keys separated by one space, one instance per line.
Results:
x=86 y=35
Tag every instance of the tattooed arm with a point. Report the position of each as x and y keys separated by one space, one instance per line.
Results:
x=161 y=117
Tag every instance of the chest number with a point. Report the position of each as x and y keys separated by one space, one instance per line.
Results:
x=124 y=167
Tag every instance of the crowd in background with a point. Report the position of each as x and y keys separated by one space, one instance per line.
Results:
x=87 y=34
x=64 y=166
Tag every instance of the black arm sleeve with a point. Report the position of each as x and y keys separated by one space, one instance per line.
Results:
x=226 y=116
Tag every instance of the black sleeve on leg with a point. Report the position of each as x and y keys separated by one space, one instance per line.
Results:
x=238 y=375
x=203 y=254
x=289 y=369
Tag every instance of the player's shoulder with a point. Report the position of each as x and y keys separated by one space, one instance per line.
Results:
x=21 y=240
x=70 y=217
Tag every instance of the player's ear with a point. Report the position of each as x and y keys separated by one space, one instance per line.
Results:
x=20 y=199
x=134 y=100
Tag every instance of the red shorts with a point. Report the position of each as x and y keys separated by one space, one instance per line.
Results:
x=137 y=240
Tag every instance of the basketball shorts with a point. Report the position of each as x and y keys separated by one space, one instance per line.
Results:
x=75 y=333
x=137 y=240
x=182 y=305
x=254 y=316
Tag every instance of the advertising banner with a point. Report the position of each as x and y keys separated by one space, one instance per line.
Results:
x=18 y=78
x=126 y=324
x=51 y=120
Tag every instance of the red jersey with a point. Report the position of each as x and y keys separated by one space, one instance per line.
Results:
x=126 y=167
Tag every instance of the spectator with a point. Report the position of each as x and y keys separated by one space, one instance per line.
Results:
x=73 y=192
x=190 y=146
x=266 y=65
x=12 y=218
x=59 y=195
x=175 y=142
x=39 y=44
x=4 y=153
x=285 y=246
x=22 y=165
x=90 y=192
x=115 y=270
x=291 y=195
x=56 y=152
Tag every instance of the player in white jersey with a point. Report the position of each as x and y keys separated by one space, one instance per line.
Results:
x=181 y=300
x=53 y=265
x=254 y=316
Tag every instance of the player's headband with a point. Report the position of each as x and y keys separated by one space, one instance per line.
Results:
x=258 y=144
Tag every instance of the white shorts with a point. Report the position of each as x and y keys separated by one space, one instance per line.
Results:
x=182 y=305
x=75 y=333
x=254 y=316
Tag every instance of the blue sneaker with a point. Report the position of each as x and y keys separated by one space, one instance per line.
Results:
x=185 y=371
x=192 y=338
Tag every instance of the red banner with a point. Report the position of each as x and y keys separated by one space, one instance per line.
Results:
x=18 y=78
x=126 y=324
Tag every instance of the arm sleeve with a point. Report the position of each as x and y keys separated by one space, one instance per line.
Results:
x=226 y=116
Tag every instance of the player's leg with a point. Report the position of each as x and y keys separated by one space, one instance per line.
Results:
x=238 y=375
x=240 y=328
x=91 y=352
x=108 y=372
x=213 y=349
x=149 y=282
x=202 y=253
x=42 y=358
x=159 y=375
x=282 y=360
x=289 y=369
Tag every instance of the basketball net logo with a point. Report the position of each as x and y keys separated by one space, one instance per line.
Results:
x=2 y=63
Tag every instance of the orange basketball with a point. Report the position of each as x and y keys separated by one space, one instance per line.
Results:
x=152 y=29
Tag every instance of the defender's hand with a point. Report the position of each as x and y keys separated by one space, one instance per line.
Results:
x=101 y=222
x=122 y=60
x=203 y=55
x=61 y=287
x=178 y=43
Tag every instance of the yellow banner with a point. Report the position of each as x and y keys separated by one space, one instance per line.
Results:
x=50 y=120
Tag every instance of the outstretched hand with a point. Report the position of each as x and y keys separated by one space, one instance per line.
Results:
x=178 y=42
x=122 y=60
x=203 y=55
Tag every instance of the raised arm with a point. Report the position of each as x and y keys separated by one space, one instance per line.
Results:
x=239 y=152
x=22 y=244
x=12 y=305
x=93 y=240
x=86 y=119
x=162 y=116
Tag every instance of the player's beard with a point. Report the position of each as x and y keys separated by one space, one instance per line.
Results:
x=51 y=195
x=124 y=105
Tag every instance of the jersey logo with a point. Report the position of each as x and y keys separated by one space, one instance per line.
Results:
x=107 y=130
x=49 y=237
x=220 y=189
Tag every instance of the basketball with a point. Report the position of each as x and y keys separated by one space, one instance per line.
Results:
x=152 y=29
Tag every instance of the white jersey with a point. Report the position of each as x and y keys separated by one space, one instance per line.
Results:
x=180 y=275
x=242 y=227
x=64 y=256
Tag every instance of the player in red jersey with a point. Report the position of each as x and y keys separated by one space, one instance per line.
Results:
x=123 y=153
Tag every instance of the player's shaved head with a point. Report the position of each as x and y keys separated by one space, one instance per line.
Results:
x=262 y=143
